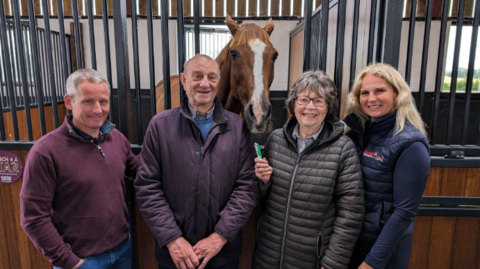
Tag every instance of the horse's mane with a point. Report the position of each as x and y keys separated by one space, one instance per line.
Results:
x=243 y=35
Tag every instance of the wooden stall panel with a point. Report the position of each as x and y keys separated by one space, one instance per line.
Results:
x=441 y=243
x=472 y=186
x=173 y=3
x=274 y=7
x=465 y=247
x=285 y=8
x=219 y=8
x=421 y=243
x=252 y=8
x=144 y=242
x=263 y=8
x=16 y=249
x=208 y=8
x=241 y=8
x=453 y=182
x=434 y=182
x=231 y=8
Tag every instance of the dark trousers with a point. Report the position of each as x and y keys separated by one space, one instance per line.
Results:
x=230 y=265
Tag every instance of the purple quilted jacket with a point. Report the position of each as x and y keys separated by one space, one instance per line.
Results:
x=189 y=187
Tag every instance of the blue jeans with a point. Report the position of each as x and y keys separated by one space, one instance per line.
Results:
x=119 y=257
x=230 y=265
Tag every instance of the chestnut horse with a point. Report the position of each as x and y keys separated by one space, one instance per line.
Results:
x=246 y=73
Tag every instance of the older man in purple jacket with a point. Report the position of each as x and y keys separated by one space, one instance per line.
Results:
x=196 y=185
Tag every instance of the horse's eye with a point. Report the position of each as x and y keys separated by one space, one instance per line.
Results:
x=275 y=55
x=234 y=54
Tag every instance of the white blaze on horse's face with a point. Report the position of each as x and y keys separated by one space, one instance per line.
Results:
x=257 y=47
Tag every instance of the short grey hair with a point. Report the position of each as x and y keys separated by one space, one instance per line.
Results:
x=82 y=75
x=202 y=55
x=319 y=83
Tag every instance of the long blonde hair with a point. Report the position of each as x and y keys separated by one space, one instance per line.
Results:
x=404 y=102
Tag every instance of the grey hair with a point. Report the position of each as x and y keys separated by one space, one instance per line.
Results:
x=319 y=83
x=202 y=55
x=82 y=75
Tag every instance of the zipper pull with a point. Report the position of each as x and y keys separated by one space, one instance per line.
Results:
x=201 y=150
x=101 y=150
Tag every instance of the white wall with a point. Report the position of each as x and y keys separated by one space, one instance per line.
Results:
x=280 y=40
x=418 y=51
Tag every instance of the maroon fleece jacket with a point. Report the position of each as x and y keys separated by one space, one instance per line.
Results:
x=72 y=198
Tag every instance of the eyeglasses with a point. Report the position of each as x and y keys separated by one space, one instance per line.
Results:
x=318 y=102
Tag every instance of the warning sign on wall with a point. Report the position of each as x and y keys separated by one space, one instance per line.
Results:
x=11 y=167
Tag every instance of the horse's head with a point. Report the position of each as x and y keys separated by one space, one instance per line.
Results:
x=247 y=73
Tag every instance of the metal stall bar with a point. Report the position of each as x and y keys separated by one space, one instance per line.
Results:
x=353 y=60
x=8 y=73
x=14 y=60
x=180 y=44
x=29 y=64
x=391 y=27
x=48 y=55
x=411 y=37
x=439 y=76
x=136 y=70
x=58 y=67
x=324 y=36
x=48 y=98
x=78 y=35
x=456 y=60
x=106 y=36
x=123 y=70
x=2 y=96
x=22 y=68
x=373 y=33
x=166 y=55
x=339 y=51
x=63 y=47
x=426 y=45
x=91 y=27
x=151 y=57
x=307 y=36
x=196 y=21
x=471 y=67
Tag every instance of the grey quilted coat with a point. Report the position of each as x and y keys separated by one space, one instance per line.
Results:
x=315 y=201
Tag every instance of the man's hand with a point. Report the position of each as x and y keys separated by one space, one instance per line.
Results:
x=79 y=264
x=262 y=170
x=208 y=247
x=182 y=253
x=364 y=265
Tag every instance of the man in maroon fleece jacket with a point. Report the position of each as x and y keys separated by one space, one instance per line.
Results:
x=72 y=200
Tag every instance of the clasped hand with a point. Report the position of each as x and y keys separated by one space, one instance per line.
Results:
x=262 y=169
x=185 y=256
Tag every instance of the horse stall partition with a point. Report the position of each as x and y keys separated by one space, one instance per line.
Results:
x=447 y=227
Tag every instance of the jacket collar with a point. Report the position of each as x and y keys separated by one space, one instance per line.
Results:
x=332 y=130
x=219 y=115
x=106 y=128
x=380 y=126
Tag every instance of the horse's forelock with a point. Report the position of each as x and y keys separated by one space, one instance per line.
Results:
x=247 y=32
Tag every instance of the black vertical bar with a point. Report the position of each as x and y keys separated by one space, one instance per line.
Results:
x=63 y=47
x=91 y=27
x=456 y=59
x=196 y=21
x=77 y=34
x=136 y=70
x=181 y=43
x=339 y=51
x=324 y=37
x=307 y=35
x=426 y=45
x=411 y=37
x=471 y=66
x=44 y=68
x=8 y=71
x=2 y=97
x=108 y=60
x=58 y=69
x=123 y=70
x=391 y=27
x=373 y=33
x=439 y=75
x=48 y=54
x=14 y=59
x=353 y=60
x=166 y=55
x=151 y=57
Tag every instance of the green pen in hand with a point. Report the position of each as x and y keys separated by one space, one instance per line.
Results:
x=258 y=150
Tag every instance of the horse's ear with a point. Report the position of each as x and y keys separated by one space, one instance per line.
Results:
x=269 y=27
x=232 y=25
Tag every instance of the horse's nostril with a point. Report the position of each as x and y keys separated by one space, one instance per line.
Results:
x=250 y=108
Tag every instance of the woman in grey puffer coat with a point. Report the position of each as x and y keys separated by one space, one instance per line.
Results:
x=312 y=182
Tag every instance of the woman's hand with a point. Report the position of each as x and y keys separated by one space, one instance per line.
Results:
x=262 y=170
x=364 y=265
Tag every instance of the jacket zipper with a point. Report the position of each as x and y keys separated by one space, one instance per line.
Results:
x=100 y=149
x=288 y=209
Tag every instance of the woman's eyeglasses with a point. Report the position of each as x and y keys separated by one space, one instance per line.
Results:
x=318 y=102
